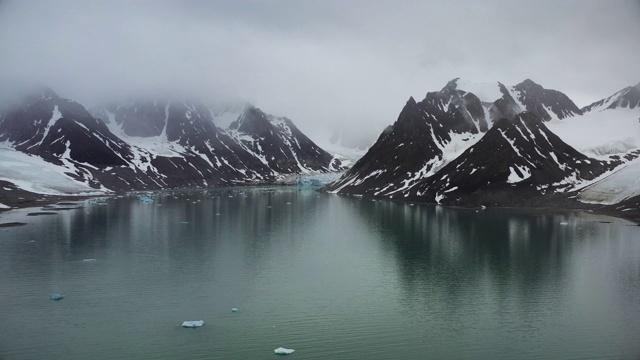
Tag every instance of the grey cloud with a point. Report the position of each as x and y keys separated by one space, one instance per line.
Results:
x=322 y=63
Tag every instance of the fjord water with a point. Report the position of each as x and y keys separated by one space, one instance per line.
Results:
x=331 y=277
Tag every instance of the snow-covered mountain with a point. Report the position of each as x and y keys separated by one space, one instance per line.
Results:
x=472 y=143
x=516 y=162
x=628 y=97
x=279 y=145
x=53 y=145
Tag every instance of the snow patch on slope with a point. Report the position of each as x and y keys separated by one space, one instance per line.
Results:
x=518 y=173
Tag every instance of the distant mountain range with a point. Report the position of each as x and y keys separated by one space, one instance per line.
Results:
x=468 y=144
x=494 y=145
x=51 y=145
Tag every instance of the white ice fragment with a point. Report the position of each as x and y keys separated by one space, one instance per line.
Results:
x=234 y=310
x=193 y=323
x=283 y=351
x=56 y=297
x=88 y=260
x=564 y=223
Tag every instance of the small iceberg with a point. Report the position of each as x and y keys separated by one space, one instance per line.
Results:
x=145 y=199
x=234 y=310
x=564 y=223
x=88 y=260
x=56 y=297
x=283 y=351
x=193 y=323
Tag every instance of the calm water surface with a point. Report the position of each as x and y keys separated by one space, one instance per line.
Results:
x=331 y=277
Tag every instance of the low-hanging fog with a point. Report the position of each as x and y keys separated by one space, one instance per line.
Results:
x=348 y=64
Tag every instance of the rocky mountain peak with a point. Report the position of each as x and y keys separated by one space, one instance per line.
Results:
x=529 y=85
x=252 y=121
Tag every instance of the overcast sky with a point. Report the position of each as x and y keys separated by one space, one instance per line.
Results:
x=320 y=63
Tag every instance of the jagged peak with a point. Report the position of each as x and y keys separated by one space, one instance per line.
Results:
x=529 y=84
x=411 y=101
x=252 y=120
x=451 y=85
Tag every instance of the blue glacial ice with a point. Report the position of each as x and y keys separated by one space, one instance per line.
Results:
x=56 y=297
x=316 y=180
x=145 y=199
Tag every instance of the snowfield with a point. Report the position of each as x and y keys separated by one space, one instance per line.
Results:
x=33 y=174
x=616 y=187
x=600 y=133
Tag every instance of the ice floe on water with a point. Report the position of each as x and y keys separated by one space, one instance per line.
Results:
x=56 y=297
x=283 y=351
x=193 y=323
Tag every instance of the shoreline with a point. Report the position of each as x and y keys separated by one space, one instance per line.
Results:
x=24 y=199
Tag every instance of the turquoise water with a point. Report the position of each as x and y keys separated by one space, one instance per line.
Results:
x=331 y=277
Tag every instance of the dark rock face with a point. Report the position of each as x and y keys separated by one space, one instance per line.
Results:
x=464 y=112
x=144 y=118
x=516 y=162
x=504 y=107
x=208 y=156
x=279 y=144
x=48 y=126
x=545 y=103
x=401 y=149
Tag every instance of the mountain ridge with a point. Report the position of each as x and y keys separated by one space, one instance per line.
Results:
x=139 y=145
x=507 y=179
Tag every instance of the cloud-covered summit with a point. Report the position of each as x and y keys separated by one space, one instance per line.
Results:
x=322 y=63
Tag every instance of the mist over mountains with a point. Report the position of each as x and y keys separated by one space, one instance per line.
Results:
x=52 y=145
x=469 y=144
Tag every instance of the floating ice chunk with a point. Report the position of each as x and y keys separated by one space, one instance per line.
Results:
x=184 y=222
x=564 y=223
x=88 y=260
x=56 y=297
x=283 y=351
x=193 y=323
x=145 y=198
x=234 y=310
